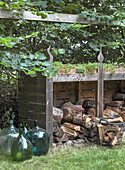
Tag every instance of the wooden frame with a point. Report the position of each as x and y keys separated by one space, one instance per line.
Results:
x=87 y=77
x=66 y=18
x=57 y=17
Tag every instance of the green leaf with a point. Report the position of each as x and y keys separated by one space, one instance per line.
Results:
x=31 y=72
x=32 y=35
x=21 y=3
x=37 y=69
x=8 y=45
x=46 y=63
x=61 y=51
x=2 y=3
x=77 y=25
x=23 y=64
x=43 y=15
x=41 y=57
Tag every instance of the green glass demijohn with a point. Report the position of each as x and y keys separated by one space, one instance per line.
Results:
x=24 y=128
x=22 y=149
x=7 y=137
x=39 y=138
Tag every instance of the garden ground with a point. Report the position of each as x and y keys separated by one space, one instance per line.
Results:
x=80 y=157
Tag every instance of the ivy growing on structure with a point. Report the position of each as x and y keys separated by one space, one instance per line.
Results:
x=23 y=43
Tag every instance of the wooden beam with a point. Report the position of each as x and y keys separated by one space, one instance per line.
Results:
x=100 y=86
x=57 y=17
x=88 y=77
x=49 y=103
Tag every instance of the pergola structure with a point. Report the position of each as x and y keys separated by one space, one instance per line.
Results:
x=66 y=18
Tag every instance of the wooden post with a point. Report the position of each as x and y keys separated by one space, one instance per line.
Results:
x=79 y=91
x=49 y=103
x=100 y=85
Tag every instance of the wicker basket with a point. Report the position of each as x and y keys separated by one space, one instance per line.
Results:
x=110 y=134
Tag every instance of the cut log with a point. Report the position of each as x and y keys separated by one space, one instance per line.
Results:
x=72 y=126
x=80 y=136
x=88 y=103
x=122 y=87
x=119 y=96
x=55 y=124
x=122 y=114
x=57 y=114
x=59 y=133
x=109 y=113
x=123 y=109
x=114 y=120
x=87 y=132
x=111 y=135
x=101 y=132
x=69 y=131
x=55 y=130
x=79 y=109
x=85 y=118
x=64 y=138
x=107 y=139
x=70 y=111
x=115 y=109
x=92 y=133
x=93 y=139
x=79 y=121
x=115 y=104
x=114 y=141
x=91 y=111
x=71 y=137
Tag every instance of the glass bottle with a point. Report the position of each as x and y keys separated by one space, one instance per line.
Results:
x=24 y=128
x=7 y=138
x=39 y=138
x=22 y=148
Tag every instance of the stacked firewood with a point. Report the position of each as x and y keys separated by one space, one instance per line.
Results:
x=110 y=135
x=74 y=124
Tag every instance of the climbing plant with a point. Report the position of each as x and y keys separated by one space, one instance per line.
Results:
x=23 y=44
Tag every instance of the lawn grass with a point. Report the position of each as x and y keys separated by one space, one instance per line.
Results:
x=80 y=157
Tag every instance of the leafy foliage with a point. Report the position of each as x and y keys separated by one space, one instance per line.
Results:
x=89 y=68
x=23 y=42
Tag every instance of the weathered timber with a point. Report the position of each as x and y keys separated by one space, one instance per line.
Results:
x=100 y=92
x=122 y=87
x=49 y=102
x=57 y=17
x=89 y=77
